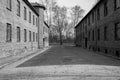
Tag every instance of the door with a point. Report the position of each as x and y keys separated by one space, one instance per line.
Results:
x=85 y=42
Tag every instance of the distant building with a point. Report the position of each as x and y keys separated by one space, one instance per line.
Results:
x=99 y=30
x=21 y=26
x=46 y=35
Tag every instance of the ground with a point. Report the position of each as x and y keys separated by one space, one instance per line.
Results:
x=64 y=63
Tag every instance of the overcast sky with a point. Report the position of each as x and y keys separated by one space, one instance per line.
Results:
x=85 y=4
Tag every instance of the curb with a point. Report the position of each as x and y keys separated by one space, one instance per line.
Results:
x=21 y=58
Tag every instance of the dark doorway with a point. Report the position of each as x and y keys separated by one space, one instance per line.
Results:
x=117 y=54
x=85 y=42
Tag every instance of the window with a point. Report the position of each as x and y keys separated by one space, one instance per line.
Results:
x=9 y=33
x=105 y=9
x=98 y=14
x=25 y=35
x=25 y=13
x=18 y=8
x=33 y=20
x=89 y=20
x=117 y=4
x=86 y=21
x=36 y=22
x=93 y=17
x=93 y=34
x=30 y=38
x=86 y=29
x=89 y=35
x=117 y=31
x=33 y=36
x=29 y=17
x=36 y=37
x=9 y=4
x=105 y=33
x=98 y=34
x=18 y=34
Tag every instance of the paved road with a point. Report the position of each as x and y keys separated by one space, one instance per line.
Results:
x=65 y=63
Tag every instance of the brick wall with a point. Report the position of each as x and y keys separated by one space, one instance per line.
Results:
x=110 y=45
x=7 y=16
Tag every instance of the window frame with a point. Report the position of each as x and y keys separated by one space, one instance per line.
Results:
x=36 y=37
x=25 y=13
x=9 y=33
x=30 y=17
x=93 y=17
x=25 y=35
x=33 y=36
x=117 y=27
x=105 y=33
x=30 y=36
x=93 y=35
x=98 y=14
x=116 y=5
x=105 y=9
x=9 y=5
x=18 y=8
x=33 y=20
x=98 y=34
x=18 y=34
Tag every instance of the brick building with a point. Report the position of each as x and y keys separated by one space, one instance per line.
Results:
x=99 y=30
x=21 y=26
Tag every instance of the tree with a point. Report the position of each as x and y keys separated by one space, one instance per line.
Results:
x=77 y=14
x=60 y=20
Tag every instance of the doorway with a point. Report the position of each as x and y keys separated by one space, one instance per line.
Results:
x=85 y=42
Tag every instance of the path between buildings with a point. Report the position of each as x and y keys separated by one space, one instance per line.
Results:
x=64 y=63
x=12 y=59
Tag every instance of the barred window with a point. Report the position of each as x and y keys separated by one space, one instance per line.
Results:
x=36 y=22
x=105 y=9
x=105 y=33
x=98 y=14
x=117 y=31
x=9 y=4
x=93 y=35
x=33 y=20
x=9 y=33
x=29 y=17
x=18 y=34
x=25 y=13
x=30 y=38
x=25 y=35
x=36 y=37
x=33 y=36
x=117 y=4
x=93 y=17
x=18 y=8
x=98 y=34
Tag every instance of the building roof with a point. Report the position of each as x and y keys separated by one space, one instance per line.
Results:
x=31 y=7
x=90 y=12
x=38 y=5
x=46 y=24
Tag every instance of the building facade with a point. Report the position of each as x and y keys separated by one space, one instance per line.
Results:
x=99 y=30
x=21 y=26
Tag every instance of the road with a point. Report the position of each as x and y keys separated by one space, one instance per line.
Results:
x=64 y=63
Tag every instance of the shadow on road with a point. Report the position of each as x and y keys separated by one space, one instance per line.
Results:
x=69 y=55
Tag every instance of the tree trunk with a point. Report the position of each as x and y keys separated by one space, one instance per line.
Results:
x=61 y=41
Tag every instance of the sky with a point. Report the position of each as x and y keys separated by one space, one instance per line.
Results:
x=85 y=4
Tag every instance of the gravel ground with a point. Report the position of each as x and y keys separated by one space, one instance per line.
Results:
x=64 y=63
